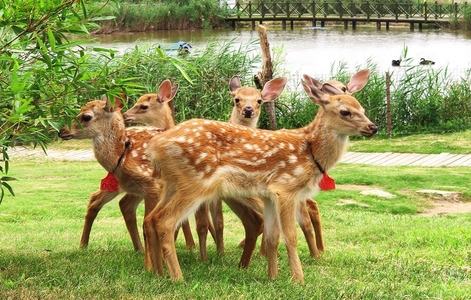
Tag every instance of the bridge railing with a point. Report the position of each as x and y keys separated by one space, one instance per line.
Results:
x=342 y=9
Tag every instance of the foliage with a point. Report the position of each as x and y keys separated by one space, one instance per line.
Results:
x=46 y=73
x=163 y=15
x=467 y=17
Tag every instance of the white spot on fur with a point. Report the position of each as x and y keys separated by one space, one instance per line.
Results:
x=298 y=171
x=292 y=159
x=202 y=156
x=208 y=169
x=134 y=153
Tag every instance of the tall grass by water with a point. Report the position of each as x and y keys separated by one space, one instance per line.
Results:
x=423 y=99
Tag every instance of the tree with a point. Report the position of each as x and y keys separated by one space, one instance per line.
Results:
x=46 y=73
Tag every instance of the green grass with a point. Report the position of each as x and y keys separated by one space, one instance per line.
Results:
x=385 y=250
x=456 y=143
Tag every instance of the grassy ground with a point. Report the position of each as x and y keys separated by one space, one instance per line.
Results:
x=456 y=143
x=377 y=248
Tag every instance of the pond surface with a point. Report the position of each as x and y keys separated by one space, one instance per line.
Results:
x=315 y=51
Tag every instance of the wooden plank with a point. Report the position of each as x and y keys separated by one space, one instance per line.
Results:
x=451 y=158
x=410 y=158
x=377 y=159
x=365 y=157
x=459 y=161
x=425 y=161
x=393 y=160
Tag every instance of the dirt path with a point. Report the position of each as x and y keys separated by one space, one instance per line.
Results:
x=442 y=202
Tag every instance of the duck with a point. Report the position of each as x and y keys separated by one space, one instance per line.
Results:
x=396 y=63
x=424 y=61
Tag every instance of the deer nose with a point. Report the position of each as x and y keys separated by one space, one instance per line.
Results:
x=373 y=128
x=248 y=111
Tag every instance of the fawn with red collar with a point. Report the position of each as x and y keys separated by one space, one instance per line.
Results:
x=200 y=161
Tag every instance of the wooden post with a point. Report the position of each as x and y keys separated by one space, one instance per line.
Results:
x=388 y=105
x=267 y=73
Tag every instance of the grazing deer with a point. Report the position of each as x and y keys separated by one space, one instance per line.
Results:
x=96 y=126
x=201 y=161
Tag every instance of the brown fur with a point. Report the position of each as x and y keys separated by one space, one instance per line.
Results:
x=200 y=161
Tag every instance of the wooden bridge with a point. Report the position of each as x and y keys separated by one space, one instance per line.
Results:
x=435 y=14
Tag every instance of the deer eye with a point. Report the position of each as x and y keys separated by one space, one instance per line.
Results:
x=144 y=107
x=345 y=113
x=344 y=89
x=86 y=118
x=237 y=100
x=259 y=101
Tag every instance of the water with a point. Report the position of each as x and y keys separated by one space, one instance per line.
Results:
x=315 y=51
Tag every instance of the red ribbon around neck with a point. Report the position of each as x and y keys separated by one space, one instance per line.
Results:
x=109 y=183
x=326 y=183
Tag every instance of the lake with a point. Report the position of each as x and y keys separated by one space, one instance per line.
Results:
x=315 y=51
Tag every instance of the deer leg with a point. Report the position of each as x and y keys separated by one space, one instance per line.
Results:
x=153 y=252
x=128 y=205
x=202 y=225
x=218 y=223
x=97 y=200
x=288 y=228
x=165 y=221
x=304 y=221
x=253 y=225
x=189 y=241
x=315 y=216
x=271 y=231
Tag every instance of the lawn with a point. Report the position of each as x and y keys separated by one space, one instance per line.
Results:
x=376 y=248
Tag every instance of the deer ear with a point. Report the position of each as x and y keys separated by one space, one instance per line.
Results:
x=116 y=104
x=311 y=81
x=358 y=81
x=234 y=83
x=330 y=89
x=166 y=91
x=317 y=95
x=273 y=89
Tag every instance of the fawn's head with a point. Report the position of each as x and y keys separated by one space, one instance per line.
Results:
x=339 y=111
x=153 y=109
x=95 y=118
x=248 y=100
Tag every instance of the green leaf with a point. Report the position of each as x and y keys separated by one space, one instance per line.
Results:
x=2 y=194
x=8 y=187
x=7 y=178
x=52 y=39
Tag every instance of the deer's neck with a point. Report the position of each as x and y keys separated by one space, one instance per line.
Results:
x=326 y=146
x=109 y=145
x=248 y=122
x=165 y=120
